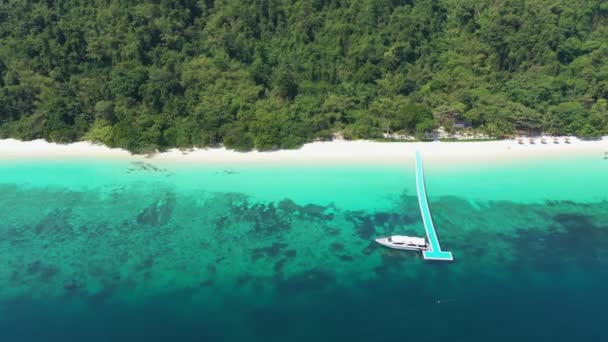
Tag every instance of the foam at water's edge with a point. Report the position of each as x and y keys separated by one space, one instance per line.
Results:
x=332 y=153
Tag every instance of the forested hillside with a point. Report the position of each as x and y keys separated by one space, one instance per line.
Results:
x=268 y=74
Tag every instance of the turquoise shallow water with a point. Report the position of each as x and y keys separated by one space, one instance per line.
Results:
x=123 y=251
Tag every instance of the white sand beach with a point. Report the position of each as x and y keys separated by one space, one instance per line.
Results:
x=338 y=151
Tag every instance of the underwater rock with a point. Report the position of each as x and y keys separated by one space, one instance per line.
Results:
x=311 y=280
x=158 y=212
x=70 y=287
x=336 y=247
x=270 y=251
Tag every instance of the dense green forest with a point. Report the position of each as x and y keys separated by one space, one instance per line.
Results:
x=266 y=74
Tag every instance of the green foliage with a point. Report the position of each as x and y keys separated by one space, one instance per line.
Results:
x=146 y=75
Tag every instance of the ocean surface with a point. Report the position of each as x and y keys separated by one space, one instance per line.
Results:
x=136 y=251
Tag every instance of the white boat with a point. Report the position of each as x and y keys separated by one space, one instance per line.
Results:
x=403 y=242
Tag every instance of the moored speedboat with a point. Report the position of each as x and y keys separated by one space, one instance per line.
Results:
x=403 y=242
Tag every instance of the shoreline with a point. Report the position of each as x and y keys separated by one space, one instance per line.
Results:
x=332 y=152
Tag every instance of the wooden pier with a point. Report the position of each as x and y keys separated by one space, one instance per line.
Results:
x=434 y=252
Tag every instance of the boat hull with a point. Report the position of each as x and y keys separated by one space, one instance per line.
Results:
x=384 y=241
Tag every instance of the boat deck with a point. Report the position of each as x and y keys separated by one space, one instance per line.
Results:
x=434 y=251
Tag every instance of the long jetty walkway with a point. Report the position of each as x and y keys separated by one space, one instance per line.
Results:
x=434 y=252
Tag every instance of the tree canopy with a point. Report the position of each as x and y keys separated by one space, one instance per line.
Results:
x=267 y=74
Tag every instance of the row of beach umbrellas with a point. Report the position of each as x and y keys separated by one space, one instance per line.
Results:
x=543 y=140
